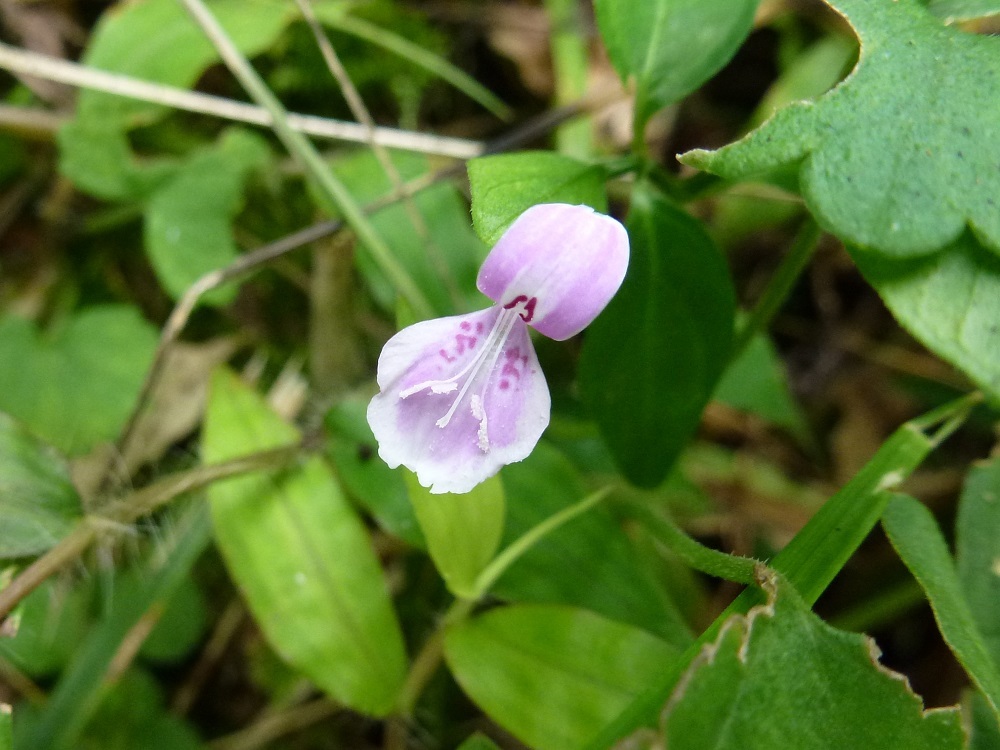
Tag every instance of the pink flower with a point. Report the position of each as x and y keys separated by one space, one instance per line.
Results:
x=463 y=396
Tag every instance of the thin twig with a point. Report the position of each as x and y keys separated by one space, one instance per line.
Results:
x=22 y=61
x=128 y=510
x=222 y=635
x=277 y=725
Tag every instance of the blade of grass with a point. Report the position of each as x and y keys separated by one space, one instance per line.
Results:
x=817 y=553
x=569 y=60
x=406 y=49
x=336 y=193
x=917 y=539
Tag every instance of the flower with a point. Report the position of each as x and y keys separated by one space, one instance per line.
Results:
x=463 y=396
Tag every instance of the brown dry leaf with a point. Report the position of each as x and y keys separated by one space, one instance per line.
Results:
x=174 y=412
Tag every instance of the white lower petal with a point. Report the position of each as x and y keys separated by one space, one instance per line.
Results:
x=456 y=405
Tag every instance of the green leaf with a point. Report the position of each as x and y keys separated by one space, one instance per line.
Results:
x=562 y=568
x=961 y=10
x=181 y=626
x=671 y=47
x=378 y=489
x=977 y=549
x=651 y=360
x=505 y=186
x=756 y=382
x=75 y=385
x=157 y=40
x=53 y=621
x=901 y=156
x=302 y=557
x=187 y=221
x=781 y=677
x=444 y=261
x=915 y=535
x=984 y=733
x=38 y=502
x=462 y=531
x=949 y=302
x=553 y=676
x=96 y=157
x=132 y=715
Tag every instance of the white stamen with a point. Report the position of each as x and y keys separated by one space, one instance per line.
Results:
x=492 y=347
x=480 y=413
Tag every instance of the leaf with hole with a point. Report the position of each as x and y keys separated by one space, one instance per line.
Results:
x=904 y=154
x=781 y=677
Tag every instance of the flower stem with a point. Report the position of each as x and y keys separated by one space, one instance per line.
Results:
x=780 y=286
x=530 y=538
x=698 y=556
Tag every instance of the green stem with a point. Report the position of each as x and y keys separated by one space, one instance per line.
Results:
x=695 y=554
x=339 y=197
x=569 y=60
x=529 y=539
x=780 y=286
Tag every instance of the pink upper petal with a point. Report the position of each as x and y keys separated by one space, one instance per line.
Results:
x=509 y=390
x=569 y=259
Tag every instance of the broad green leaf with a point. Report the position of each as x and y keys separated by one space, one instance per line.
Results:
x=462 y=531
x=563 y=567
x=781 y=677
x=75 y=384
x=38 y=503
x=977 y=549
x=378 y=489
x=671 y=47
x=756 y=382
x=440 y=252
x=984 y=733
x=96 y=157
x=181 y=625
x=157 y=40
x=918 y=540
x=902 y=155
x=187 y=221
x=53 y=621
x=302 y=557
x=950 y=302
x=505 y=186
x=553 y=676
x=651 y=360
x=77 y=695
x=961 y=10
